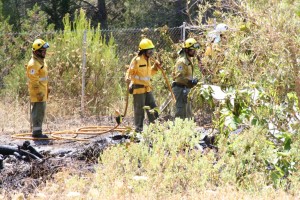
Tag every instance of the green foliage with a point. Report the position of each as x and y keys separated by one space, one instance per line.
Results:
x=57 y=9
x=16 y=50
x=37 y=23
x=102 y=70
x=261 y=48
x=165 y=157
x=253 y=108
x=137 y=15
x=10 y=11
x=165 y=161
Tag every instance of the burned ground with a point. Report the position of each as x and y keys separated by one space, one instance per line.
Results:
x=79 y=157
x=25 y=174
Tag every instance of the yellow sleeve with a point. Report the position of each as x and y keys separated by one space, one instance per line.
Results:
x=208 y=51
x=132 y=70
x=32 y=74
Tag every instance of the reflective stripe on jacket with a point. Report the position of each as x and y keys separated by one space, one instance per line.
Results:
x=140 y=73
x=183 y=70
x=37 y=74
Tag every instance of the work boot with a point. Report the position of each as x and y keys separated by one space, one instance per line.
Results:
x=138 y=130
x=41 y=136
x=40 y=139
x=38 y=134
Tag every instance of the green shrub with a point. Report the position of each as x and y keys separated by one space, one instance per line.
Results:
x=102 y=75
x=168 y=163
x=15 y=51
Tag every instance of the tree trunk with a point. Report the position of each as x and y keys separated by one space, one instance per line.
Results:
x=101 y=14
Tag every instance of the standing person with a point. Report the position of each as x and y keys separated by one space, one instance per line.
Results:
x=183 y=78
x=215 y=53
x=139 y=74
x=37 y=74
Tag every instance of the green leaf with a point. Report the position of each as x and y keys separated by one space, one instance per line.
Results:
x=157 y=110
x=254 y=121
x=146 y=107
x=280 y=171
x=287 y=141
x=283 y=154
x=275 y=176
x=230 y=122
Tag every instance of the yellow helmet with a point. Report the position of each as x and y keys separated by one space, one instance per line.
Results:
x=146 y=44
x=39 y=43
x=191 y=43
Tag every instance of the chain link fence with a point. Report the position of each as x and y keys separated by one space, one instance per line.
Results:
x=127 y=40
x=15 y=52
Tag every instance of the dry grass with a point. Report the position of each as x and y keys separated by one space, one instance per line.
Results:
x=67 y=186
x=264 y=53
x=14 y=116
x=60 y=115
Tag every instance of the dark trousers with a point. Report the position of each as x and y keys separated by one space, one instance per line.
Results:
x=139 y=101
x=37 y=117
x=183 y=106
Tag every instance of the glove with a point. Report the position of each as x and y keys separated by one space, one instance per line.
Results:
x=130 y=89
x=194 y=81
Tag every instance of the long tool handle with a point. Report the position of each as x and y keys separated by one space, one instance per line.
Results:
x=166 y=79
x=127 y=99
x=168 y=83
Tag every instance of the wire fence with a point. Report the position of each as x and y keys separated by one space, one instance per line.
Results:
x=15 y=53
x=127 y=40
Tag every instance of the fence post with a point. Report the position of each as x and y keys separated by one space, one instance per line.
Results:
x=183 y=31
x=83 y=72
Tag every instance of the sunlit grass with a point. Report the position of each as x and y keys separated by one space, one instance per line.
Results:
x=138 y=171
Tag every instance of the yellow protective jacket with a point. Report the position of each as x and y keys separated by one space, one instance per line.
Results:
x=212 y=50
x=37 y=74
x=183 y=70
x=140 y=72
x=213 y=60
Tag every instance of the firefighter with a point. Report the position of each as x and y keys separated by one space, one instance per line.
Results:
x=37 y=74
x=215 y=53
x=139 y=75
x=183 y=78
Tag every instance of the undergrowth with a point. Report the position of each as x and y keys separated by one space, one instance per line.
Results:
x=166 y=165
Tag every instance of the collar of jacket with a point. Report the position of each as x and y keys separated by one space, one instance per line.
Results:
x=143 y=57
x=187 y=60
x=40 y=60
